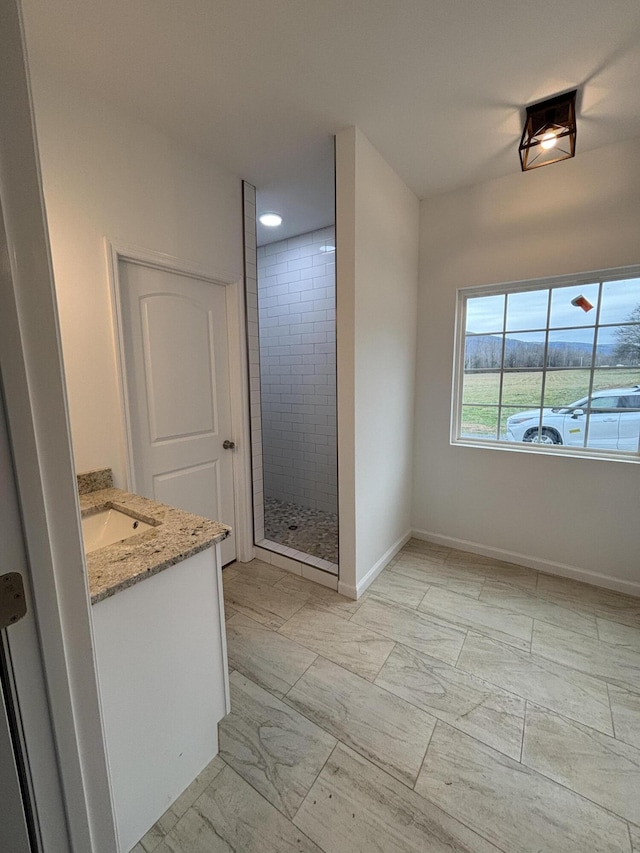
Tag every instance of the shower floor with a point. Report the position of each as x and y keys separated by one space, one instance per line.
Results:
x=316 y=531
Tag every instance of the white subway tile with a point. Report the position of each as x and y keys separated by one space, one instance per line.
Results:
x=303 y=285
x=274 y=289
x=292 y=319
x=300 y=264
x=315 y=338
x=288 y=298
x=288 y=255
x=304 y=329
x=301 y=240
x=327 y=233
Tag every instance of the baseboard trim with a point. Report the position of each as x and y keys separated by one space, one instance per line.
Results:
x=355 y=592
x=549 y=567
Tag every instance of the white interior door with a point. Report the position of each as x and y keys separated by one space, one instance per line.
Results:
x=177 y=372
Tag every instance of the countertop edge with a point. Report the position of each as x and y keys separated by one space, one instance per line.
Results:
x=175 y=536
x=148 y=573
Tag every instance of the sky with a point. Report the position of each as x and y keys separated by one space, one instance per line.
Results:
x=528 y=310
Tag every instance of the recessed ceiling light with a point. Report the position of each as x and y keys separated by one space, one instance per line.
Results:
x=270 y=219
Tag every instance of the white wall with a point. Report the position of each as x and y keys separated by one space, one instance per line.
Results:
x=560 y=513
x=377 y=270
x=106 y=174
x=297 y=308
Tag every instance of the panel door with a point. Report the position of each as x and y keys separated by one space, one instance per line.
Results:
x=177 y=369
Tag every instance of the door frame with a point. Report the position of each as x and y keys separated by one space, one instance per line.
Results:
x=238 y=373
x=58 y=694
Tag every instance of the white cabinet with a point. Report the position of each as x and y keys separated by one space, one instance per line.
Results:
x=162 y=669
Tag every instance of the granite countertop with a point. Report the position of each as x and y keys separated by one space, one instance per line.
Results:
x=176 y=536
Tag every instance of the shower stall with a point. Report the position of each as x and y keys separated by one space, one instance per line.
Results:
x=292 y=357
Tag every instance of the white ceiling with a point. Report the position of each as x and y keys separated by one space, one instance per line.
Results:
x=261 y=85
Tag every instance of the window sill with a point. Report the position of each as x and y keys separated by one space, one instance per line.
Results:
x=548 y=450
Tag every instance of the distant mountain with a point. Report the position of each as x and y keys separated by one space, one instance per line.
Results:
x=485 y=352
x=602 y=349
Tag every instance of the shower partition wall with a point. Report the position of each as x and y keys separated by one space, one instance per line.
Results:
x=292 y=357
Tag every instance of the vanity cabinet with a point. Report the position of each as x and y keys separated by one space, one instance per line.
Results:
x=161 y=659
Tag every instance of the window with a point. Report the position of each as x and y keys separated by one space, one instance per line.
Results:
x=549 y=364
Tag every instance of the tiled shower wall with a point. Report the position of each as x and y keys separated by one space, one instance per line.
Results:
x=296 y=300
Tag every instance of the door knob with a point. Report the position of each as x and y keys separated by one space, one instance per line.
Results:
x=228 y=445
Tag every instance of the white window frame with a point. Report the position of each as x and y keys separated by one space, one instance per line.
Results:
x=550 y=283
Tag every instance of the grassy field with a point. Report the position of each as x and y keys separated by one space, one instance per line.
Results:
x=522 y=391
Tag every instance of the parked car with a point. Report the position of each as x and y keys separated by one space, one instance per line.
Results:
x=614 y=422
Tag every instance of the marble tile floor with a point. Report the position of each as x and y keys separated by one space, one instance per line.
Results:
x=462 y=705
x=314 y=532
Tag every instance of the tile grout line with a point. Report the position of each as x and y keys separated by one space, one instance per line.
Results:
x=542 y=660
x=542 y=776
x=424 y=757
x=603 y=679
x=270 y=804
x=538 y=618
x=302 y=676
x=571 y=721
x=378 y=637
x=338 y=743
x=631 y=846
x=524 y=727
x=408 y=702
x=197 y=798
x=311 y=722
x=372 y=680
x=613 y=724
x=444 y=811
x=430 y=711
x=354 y=748
x=455 y=665
x=567 y=787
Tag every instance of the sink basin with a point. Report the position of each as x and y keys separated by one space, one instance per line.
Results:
x=109 y=526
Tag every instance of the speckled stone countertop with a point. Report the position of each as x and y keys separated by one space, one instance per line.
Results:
x=176 y=536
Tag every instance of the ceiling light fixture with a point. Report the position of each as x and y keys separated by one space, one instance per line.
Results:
x=549 y=133
x=270 y=219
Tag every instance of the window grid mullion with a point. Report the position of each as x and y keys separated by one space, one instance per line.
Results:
x=594 y=352
x=544 y=366
x=504 y=344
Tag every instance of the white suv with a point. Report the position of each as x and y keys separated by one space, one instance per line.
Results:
x=614 y=422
